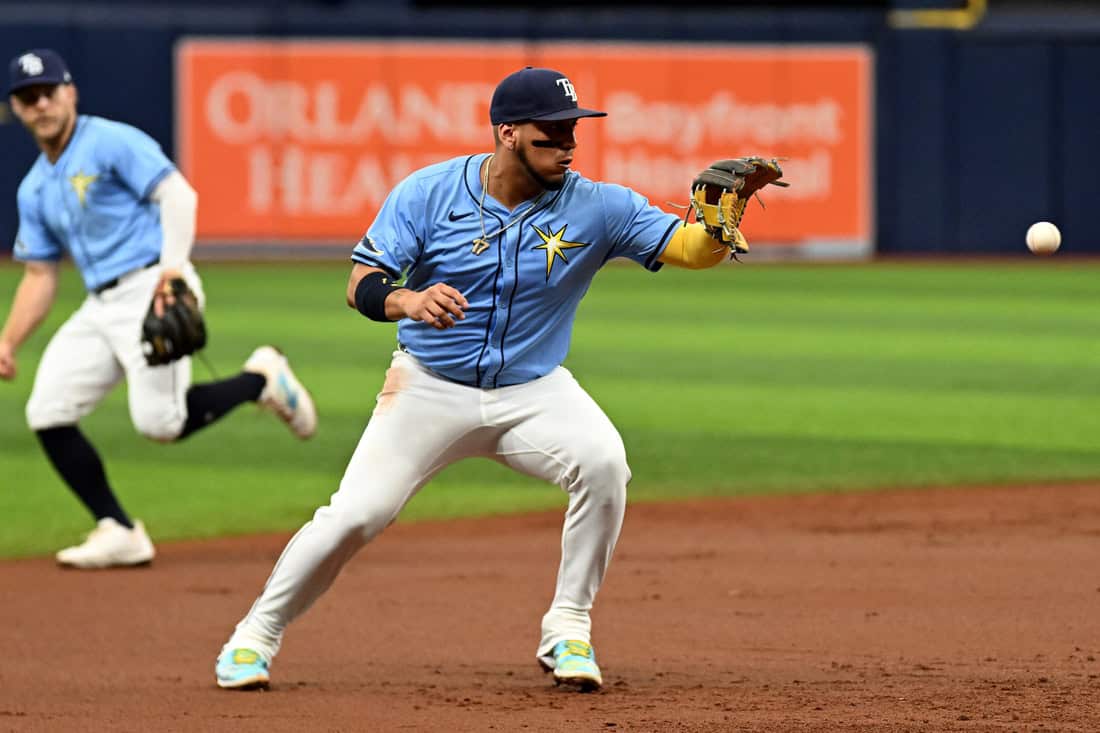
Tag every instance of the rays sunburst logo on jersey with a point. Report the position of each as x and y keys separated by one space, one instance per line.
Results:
x=555 y=245
x=80 y=184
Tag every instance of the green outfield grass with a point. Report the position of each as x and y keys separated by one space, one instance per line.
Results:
x=746 y=379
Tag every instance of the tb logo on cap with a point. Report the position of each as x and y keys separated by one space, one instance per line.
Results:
x=567 y=87
x=31 y=64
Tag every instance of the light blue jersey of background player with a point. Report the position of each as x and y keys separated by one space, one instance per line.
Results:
x=94 y=202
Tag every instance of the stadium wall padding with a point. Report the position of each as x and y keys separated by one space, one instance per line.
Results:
x=977 y=133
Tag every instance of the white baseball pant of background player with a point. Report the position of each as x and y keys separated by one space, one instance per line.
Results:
x=549 y=428
x=97 y=347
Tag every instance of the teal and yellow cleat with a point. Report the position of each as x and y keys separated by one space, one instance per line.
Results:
x=574 y=664
x=242 y=669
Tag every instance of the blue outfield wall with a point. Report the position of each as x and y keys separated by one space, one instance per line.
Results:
x=978 y=133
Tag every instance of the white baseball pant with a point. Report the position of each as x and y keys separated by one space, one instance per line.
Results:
x=549 y=428
x=100 y=344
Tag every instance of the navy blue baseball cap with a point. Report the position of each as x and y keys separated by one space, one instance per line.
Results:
x=37 y=66
x=536 y=94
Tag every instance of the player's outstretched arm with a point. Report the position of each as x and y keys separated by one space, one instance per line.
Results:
x=693 y=247
x=372 y=294
x=32 y=302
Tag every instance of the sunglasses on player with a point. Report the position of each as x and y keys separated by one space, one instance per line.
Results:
x=30 y=95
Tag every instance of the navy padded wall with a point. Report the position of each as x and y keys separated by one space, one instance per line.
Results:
x=1003 y=140
x=955 y=112
x=1075 y=170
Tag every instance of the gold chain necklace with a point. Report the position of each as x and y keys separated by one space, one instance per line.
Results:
x=482 y=243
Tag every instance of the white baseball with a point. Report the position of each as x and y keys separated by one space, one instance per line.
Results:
x=1043 y=238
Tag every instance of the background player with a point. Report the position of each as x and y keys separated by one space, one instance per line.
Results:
x=105 y=193
x=500 y=248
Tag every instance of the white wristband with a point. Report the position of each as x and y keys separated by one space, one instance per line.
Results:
x=178 y=205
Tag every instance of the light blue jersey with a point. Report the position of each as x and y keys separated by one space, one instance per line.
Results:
x=524 y=286
x=94 y=202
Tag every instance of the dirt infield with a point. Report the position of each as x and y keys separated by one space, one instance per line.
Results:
x=940 y=610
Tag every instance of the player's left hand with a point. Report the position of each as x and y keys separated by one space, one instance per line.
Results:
x=163 y=296
x=719 y=195
x=7 y=361
x=174 y=326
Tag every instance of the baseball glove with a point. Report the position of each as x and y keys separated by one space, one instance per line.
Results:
x=719 y=195
x=179 y=332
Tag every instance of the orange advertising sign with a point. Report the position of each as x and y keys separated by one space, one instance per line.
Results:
x=300 y=141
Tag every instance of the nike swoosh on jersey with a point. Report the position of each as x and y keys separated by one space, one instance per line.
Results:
x=455 y=217
x=371 y=249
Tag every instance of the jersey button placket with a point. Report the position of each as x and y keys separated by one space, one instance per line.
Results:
x=507 y=286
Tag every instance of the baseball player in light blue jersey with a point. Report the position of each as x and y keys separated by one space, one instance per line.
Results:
x=105 y=194
x=498 y=250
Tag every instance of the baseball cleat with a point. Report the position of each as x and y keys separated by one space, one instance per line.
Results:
x=574 y=663
x=283 y=394
x=110 y=545
x=242 y=669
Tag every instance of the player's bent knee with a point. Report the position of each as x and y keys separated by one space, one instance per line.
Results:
x=361 y=521
x=356 y=527
x=607 y=473
x=612 y=471
x=607 y=459
x=43 y=414
x=158 y=426
x=370 y=524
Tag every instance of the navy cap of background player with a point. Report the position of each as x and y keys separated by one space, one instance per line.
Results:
x=536 y=94
x=38 y=66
